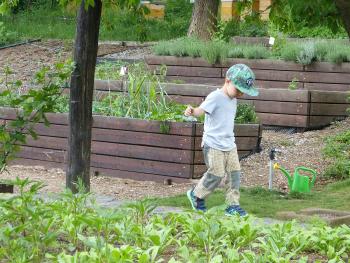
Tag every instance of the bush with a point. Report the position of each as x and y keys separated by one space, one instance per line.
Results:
x=246 y=113
x=214 y=51
x=256 y=52
x=6 y=37
x=307 y=54
x=337 y=149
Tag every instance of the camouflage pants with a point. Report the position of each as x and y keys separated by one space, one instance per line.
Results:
x=220 y=164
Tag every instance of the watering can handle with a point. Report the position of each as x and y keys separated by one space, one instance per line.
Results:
x=305 y=169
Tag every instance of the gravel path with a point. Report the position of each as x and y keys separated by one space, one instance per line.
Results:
x=297 y=148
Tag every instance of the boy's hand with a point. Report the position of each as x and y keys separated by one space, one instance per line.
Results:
x=189 y=111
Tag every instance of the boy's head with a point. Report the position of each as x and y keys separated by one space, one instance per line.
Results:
x=242 y=77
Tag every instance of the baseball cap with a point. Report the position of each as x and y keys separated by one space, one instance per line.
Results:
x=243 y=78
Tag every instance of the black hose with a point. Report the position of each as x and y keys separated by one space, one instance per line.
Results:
x=21 y=43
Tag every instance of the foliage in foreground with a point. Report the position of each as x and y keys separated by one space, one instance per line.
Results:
x=71 y=228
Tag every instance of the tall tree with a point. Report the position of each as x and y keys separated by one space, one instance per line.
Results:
x=81 y=94
x=204 y=18
x=343 y=7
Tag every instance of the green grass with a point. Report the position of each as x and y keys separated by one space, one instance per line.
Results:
x=263 y=203
x=59 y=24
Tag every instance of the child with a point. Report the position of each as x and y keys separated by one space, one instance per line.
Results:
x=218 y=144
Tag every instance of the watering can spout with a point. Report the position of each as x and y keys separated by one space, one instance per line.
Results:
x=286 y=173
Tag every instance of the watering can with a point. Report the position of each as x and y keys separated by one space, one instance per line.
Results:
x=298 y=183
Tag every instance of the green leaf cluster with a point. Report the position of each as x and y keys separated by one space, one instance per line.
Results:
x=73 y=228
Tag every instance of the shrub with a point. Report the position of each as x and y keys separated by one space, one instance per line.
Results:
x=307 y=54
x=256 y=52
x=289 y=52
x=215 y=51
x=236 y=52
x=246 y=113
x=337 y=149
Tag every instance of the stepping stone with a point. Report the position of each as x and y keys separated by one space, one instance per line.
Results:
x=331 y=217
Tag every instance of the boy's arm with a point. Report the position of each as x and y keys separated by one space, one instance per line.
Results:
x=190 y=111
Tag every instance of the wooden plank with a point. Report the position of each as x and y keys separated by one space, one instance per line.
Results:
x=103 y=172
x=299 y=121
x=187 y=99
x=120 y=136
x=327 y=86
x=199 y=159
x=298 y=108
x=108 y=85
x=108 y=122
x=280 y=95
x=196 y=90
x=111 y=162
x=275 y=75
x=243 y=143
x=268 y=64
x=207 y=72
x=330 y=97
x=115 y=149
x=327 y=77
x=321 y=121
x=328 y=67
x=327 y=109
x=33 y=162
x=239 y=129
x=272 y=84
x=176 y=61
x=144 y=166
x=196 y=80
x=137 y=176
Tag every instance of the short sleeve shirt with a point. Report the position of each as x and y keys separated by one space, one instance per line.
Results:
x=220 y=112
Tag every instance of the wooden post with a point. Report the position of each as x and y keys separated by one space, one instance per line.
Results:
x=81 y=94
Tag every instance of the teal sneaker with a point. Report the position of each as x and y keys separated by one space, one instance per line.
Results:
x=235 y=210
x=197 y=203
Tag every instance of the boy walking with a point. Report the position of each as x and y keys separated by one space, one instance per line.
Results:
x=218 y=143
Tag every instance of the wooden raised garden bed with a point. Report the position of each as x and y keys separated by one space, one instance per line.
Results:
x=302 y=108
x=129 y=148
x=269 y=73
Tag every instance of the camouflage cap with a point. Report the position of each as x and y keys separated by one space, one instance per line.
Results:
x=243 y=78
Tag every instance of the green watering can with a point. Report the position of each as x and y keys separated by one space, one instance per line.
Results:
x=299 y=183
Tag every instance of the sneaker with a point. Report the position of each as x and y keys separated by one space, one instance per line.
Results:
x=234 y=210
x=197 y=203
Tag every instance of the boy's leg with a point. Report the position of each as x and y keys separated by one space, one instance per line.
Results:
x=233 y=169
x=215 y=162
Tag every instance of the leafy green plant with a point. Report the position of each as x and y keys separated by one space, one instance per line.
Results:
x=256 y=52
x=73 y=228
x=293 y=85
x=337 y=149
x=31 y=107
x=246 y=113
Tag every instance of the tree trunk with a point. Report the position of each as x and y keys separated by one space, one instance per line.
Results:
x=204 y=18
x=81 y=94
x=343 y=7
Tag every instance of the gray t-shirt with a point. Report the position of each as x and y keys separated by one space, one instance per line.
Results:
x=220 y=112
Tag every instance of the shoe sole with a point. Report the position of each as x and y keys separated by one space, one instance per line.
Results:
x=190 y=199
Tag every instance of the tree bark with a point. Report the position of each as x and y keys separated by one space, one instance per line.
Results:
x=343 y=7
x=81 y=94
x=204 y=18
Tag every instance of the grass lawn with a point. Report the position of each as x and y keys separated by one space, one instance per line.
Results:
x=263 y=203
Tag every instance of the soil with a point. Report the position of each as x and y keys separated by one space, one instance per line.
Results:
x=296 y=148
